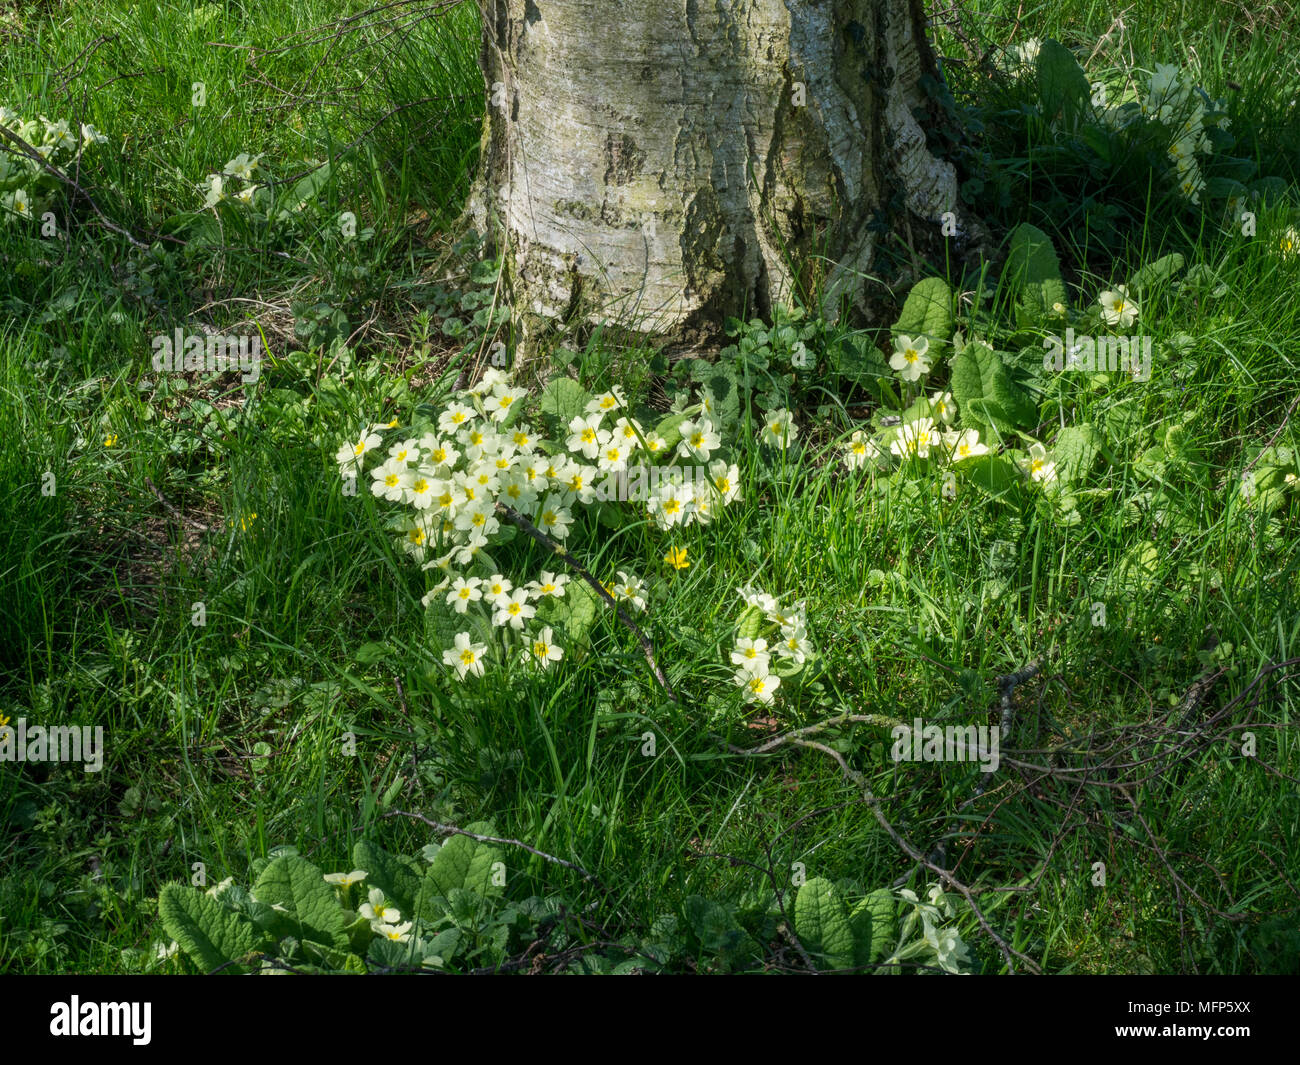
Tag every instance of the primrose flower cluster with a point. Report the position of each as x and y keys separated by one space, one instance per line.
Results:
x=939 y=940
x=1174 y=103
x=235 y=182
x=787 y=628
x=450 y=476
x=385 y=918
x=930 y=431
x=25 y=186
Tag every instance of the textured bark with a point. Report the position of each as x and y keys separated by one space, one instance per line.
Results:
x=649 y=161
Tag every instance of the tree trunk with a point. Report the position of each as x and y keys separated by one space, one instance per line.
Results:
x=667 y=163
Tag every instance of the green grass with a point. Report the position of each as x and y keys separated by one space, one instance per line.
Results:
x=227 y=738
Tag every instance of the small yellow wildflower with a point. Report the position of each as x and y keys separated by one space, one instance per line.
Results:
x=676 y=558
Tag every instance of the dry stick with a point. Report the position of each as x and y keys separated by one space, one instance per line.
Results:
x=171 y=509
x=807 y=730
x=519 y=521
x=859 y=780
x=796 y=738
x=1007 y=685
x=27 y=150
x=35 y=156
x=453 y=830
x=1286 y=418
x=93 y=46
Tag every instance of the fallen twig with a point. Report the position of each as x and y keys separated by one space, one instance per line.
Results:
x=438 y=826
x=171 y=509
x=26 y=149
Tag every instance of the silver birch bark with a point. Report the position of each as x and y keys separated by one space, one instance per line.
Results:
x=667 y=162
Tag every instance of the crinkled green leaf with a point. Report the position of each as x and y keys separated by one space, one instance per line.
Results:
x=466 y=863
x=670 y=428
x=209 y=933
x=1154 y=273
x=991 y=474
x=564 y=399
x=1137 y=569
x=927 y=312
x=720 y=379
x=822 y=925
x=715 y=926
x=858 y=360
x=445 y=945
x=1033 y=273
x=1062 y=83
x=574 y=613
x=873 y=926
x=299 y=887
x=305 y=191
x=1075 y=451
x=751 y=621
x=360 y=934
x=985 y=392
x=389 y=954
